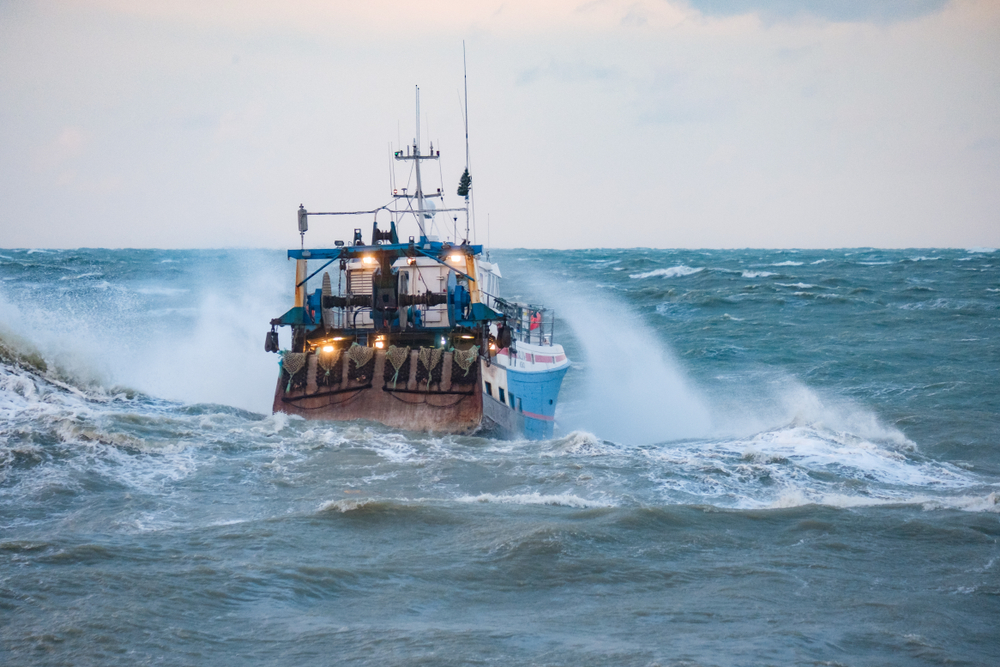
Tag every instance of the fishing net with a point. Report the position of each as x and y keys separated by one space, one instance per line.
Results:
x=399 y=357
x=463 y=360
x=364 y=361
x=429 y=360
x=292 y=363
x=327 y=362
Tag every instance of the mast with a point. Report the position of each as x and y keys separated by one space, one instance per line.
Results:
x=417 y=157
x=465 y=78
x=416 y=160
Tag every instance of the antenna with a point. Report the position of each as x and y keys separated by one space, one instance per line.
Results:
x=468 y=194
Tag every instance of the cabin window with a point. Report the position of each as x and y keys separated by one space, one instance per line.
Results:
x=512 y=402
x=489 y=389
x=519 y=405
x=502 y=398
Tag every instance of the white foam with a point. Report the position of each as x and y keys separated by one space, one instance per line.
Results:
x=758 y=274
x=580 y=443
x=536 y=498
x=344 y=506
x=162 y=291
x=671 y=272
x=788 y=263
x=82 y=275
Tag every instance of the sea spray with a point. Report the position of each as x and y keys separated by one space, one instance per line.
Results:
x=194 y=333
x=636 y=392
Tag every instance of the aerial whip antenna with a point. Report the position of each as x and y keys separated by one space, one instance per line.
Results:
x=465 y=183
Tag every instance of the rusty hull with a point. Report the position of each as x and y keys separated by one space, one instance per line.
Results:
x=444 y=407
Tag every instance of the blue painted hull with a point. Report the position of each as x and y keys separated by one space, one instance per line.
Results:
x=529 y=406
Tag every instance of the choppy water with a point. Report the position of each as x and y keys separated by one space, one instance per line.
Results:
x=762 y=457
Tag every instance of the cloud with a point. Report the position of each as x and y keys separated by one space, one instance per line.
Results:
x=841 y=11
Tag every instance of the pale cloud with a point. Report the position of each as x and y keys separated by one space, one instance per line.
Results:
x=684 y=123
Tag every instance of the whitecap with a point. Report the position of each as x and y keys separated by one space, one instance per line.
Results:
x=82 y=275
x=788 y=263
x=536 y=498
x=672 y=272
x=758 y=274
x=161 y=291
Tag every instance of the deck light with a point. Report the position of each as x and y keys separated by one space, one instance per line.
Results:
x=379 y=344
x=328 y=348
x=455 y=258
x=368 y=259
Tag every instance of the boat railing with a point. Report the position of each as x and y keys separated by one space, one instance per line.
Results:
x=530 y=324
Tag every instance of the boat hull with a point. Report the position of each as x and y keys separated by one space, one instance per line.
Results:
x=442 y=406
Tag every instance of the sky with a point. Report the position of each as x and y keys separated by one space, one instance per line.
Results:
x=604 y=123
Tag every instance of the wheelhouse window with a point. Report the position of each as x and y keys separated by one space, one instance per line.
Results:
x=489 y=389
x=502 y=398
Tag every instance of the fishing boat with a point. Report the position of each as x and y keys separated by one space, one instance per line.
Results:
x=414 y=333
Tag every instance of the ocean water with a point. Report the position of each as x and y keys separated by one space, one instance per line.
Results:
x=761 y=457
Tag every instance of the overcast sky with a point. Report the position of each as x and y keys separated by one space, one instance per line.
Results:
x=680 y=123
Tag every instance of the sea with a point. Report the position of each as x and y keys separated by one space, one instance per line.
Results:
x=761 y=457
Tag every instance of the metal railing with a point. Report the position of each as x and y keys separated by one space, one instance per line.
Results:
x=530 y=324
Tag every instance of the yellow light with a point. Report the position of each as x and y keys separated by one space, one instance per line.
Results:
x=467 y=336
x=493 y=346
x=338 y=338
x=368 y=260
x=411 y=261
x=379 y=344
x=456 y=258
x=328 y=348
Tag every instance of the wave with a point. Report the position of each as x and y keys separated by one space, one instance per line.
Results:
x=988 y=503
x=758 y=274
x=536 y=498
x=96 y=274
x=788 y=263
x=672 y=272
